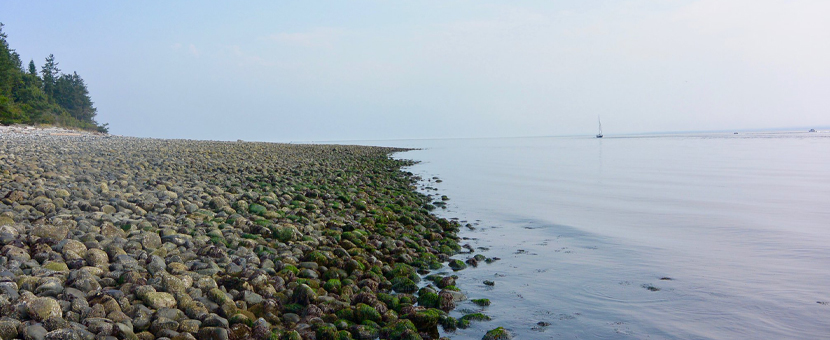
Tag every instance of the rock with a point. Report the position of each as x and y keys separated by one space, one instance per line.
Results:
x=73 y=246
x=17 y=254
x=291 y=318
x=10 y=289
x=446 y=301
x=217 y=203
x=457 y=265
x=177 y=239
x=426 y=320
x=56 y=266
x=252 y=298
x=108 y=230
x=303 y=294
x=446 y=281
x=497 y=334
x=176 y=268
x=190 y=326
x=5 y=220
x=54 y=323
x=123 y=331
x=214 y=320
x=156 y=265
x=150 y=240
x=456 y=296
x=364 y=312
x=16 y=196
x=86 y=284
x=62 y=193
x=34 y=332
x=99 y=325
x=213 y=333
x=69 y=334
x=156 y=300
x=162 y=323
x=50 y=286
x=8 y=328
x=42 y=308
x=97 y=257
x=57 y=232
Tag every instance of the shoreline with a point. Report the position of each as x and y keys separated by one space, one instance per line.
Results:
x=180 y=239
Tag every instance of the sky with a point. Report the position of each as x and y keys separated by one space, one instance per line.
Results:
x=366 y=70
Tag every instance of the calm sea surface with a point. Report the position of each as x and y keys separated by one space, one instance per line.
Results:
x=710 y=236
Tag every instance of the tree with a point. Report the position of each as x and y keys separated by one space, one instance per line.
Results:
x=32 y=68
x=71 y=94
x=50 y=73
x=9 y=66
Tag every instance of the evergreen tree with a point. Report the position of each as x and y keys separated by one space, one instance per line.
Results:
x=71 y=94
x=50 y=72
x=9 y=76
x=9 y=66
x=32 y=68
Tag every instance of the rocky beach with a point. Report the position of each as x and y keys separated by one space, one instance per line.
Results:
x=108 y=237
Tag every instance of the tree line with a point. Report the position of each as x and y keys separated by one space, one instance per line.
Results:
x=46 y=97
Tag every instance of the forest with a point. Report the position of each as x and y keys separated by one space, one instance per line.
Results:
x=44 y=97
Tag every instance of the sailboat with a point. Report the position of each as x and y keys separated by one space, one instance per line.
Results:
x=599 y=135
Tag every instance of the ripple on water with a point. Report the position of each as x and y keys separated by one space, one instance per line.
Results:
x=627 y=292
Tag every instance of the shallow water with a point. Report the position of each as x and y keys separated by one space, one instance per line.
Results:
x=710 y=236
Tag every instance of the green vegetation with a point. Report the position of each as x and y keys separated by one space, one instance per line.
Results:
x=49 y=98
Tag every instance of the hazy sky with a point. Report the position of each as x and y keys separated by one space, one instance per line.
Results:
x=315 y=71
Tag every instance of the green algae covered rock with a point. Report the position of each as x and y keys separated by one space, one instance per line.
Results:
x=457 y=265
x=365 y=312
x=428 y=298
x=426 y=320
x=465 y=320
x=402 y=330
x=481 y=302
x=497 y=334
x=404 y=285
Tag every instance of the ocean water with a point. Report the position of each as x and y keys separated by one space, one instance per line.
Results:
x=703 y=236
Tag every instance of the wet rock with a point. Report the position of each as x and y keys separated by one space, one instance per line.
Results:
x=498 y=334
